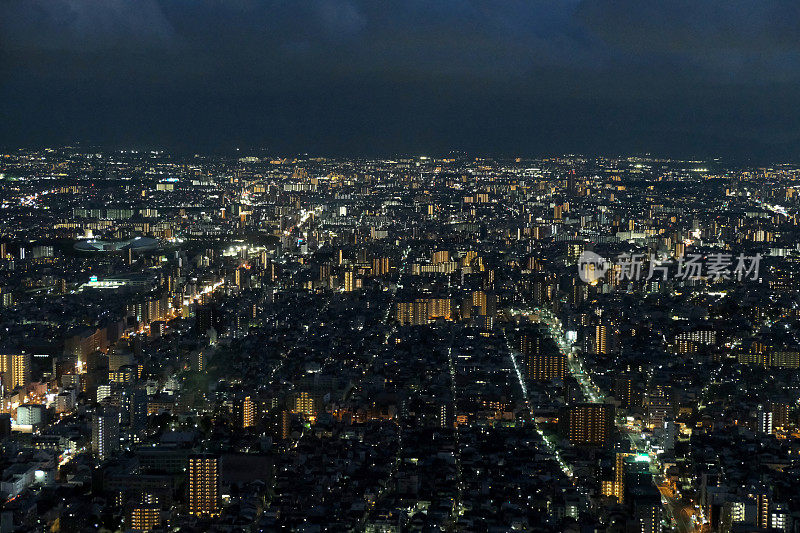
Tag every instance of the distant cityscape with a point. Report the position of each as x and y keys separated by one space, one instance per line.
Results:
x=269 y=343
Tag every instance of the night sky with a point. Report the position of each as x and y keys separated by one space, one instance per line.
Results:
x=690 y=78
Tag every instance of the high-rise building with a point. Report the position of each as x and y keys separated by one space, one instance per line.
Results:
x=659 y=405
x=284 y=425
x=137 y=413
x=779 y=517
x=304 y=404
x=603 y=339
x=198 y=359
x=248 y=412
x=546 y=367
x=625 y=392
x=780 y=413
x=423 y=310
x=349 y=281
x=144 y=517
x=86 y=343
x=117 y=359
x=272 y=271
x=125 y=374
x=574 y=251
x=446 y=414
x=380 y=266
x=760 y=495
x=531 y=343
x=206 y=318
x=764 y=420
x=645 y=502
x=30 y=414
x=543 y=362
x=616 y=486
x=588 y=424
x=439 y=308
x=16 y=369
x=412 y=313
x=105 y=432
x=485 y=304
x=785 y=359
x=203 y=484
x=442 y=256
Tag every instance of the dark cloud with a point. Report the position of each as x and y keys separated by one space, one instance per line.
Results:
x=751 y=41
x=732 y=26
x=379 y=76
x=82 y=26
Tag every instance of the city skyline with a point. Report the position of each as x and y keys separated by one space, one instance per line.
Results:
x=389 y=266
x=405 y=344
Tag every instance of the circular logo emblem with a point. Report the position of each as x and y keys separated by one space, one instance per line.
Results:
x=591 y=267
